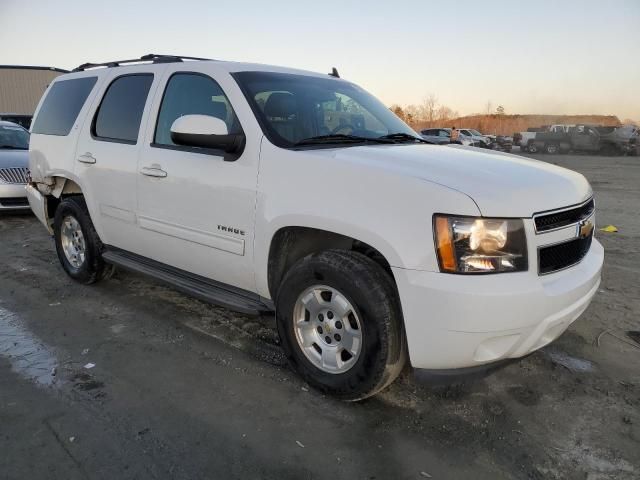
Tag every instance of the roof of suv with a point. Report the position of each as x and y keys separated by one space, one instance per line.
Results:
x=151 y=59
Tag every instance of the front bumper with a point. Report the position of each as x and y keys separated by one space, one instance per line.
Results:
x=13 y=197
x=458 y=321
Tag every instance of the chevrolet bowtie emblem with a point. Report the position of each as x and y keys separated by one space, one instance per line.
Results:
x=585 y=228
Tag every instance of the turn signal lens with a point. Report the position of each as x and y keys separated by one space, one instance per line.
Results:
x=445 y=244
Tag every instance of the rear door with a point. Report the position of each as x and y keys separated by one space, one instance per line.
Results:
x=107 y=154
x=196 y=209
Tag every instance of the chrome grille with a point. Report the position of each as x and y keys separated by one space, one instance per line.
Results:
x=563 y=218
x=14 y=175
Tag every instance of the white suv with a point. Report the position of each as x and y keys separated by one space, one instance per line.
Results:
x=269 y=189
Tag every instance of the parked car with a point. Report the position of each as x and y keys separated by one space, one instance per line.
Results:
x=478 y=139
x=14 y=159
x=462 y=139
x=20 y=119
x=585 y=138
x=502 y=143
x=253 y=187
x=439 y=136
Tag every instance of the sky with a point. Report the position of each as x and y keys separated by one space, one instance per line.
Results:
x=545 y=57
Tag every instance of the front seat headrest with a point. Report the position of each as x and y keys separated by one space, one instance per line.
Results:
x=280 y=105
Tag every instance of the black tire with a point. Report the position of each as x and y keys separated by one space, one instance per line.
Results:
x=552 y=148
x=93 y=268
x=609 y=150
x=532 y=148
x=373 y=294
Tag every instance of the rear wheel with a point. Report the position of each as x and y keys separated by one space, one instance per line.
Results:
x=551 y=148
x=77 y=243
x=340 y=324
x=532 y=148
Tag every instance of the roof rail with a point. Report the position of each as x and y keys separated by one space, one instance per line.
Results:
x=150 y=57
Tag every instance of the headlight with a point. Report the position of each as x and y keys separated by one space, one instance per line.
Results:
x=480 y=245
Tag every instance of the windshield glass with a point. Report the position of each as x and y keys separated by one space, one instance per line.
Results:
x=14 y=137
x=292 y=108
x=475 y=132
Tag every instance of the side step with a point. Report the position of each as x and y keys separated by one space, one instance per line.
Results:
x=194 y=285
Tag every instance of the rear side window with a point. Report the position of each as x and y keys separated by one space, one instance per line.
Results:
x=62 y=105
x=119 y=114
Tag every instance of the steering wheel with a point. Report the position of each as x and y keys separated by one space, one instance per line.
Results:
x=343 y=127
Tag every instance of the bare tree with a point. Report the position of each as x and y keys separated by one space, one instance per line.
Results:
x=444 y=113
x=428 y=109
x=398 y=110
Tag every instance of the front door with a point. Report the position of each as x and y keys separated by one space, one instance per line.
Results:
x=195 y=208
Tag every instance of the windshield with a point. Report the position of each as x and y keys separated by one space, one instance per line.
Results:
x=476 y=132
x=14 y=137
x=294 y=108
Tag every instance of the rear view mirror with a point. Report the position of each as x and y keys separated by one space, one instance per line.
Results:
x=205 y=131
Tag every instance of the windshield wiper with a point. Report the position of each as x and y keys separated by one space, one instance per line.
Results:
x=340 y=138
x=404 y=136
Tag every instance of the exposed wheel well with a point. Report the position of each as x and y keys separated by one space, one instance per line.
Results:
x=290 y=244
x=62 y=187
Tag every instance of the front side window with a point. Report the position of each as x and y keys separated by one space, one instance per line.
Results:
x=120 y=112
x=62 y=105
x=294 y=108
x=13 y=137
x=192 y=94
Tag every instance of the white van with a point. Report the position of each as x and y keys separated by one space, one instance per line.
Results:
x=270 y=189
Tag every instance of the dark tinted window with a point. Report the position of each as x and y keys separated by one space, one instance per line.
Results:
x=62 y=105
x=118 y=117
x=189 y=94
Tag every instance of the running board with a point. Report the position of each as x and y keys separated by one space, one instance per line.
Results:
x=196 y=286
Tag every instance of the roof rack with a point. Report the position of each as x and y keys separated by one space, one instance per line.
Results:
x=151 y=57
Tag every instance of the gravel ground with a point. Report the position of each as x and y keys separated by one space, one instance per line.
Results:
x=184 y=390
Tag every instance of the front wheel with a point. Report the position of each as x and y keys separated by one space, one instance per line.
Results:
x=77 y=243
x=340 y=324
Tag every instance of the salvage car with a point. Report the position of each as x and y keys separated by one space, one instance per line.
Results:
x=234 y=183
x=439 y=136
x=474 y=136
x=502 y=143
x=14 y=160
x=584 y=138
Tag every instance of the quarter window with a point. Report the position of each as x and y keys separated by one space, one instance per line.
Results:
x=62 y=105
x=192 y=94
x=120 y=112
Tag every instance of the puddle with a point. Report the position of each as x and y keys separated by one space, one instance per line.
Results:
x=572 y=363
x=28 y=356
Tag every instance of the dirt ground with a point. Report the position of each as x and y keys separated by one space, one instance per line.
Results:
x=184 y=390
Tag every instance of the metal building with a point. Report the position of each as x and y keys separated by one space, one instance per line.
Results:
x=21 y=88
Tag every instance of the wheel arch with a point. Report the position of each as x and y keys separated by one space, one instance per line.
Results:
x=54 y=190
x=291 y=243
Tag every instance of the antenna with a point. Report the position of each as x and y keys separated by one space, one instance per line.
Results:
x=334 y=72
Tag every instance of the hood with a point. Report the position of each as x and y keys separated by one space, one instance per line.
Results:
x=14 y=158
x=501 y=184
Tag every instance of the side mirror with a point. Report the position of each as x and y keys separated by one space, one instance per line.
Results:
x=205 y=131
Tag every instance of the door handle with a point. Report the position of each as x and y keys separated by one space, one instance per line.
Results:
x=87 y=158
x=153 y=171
